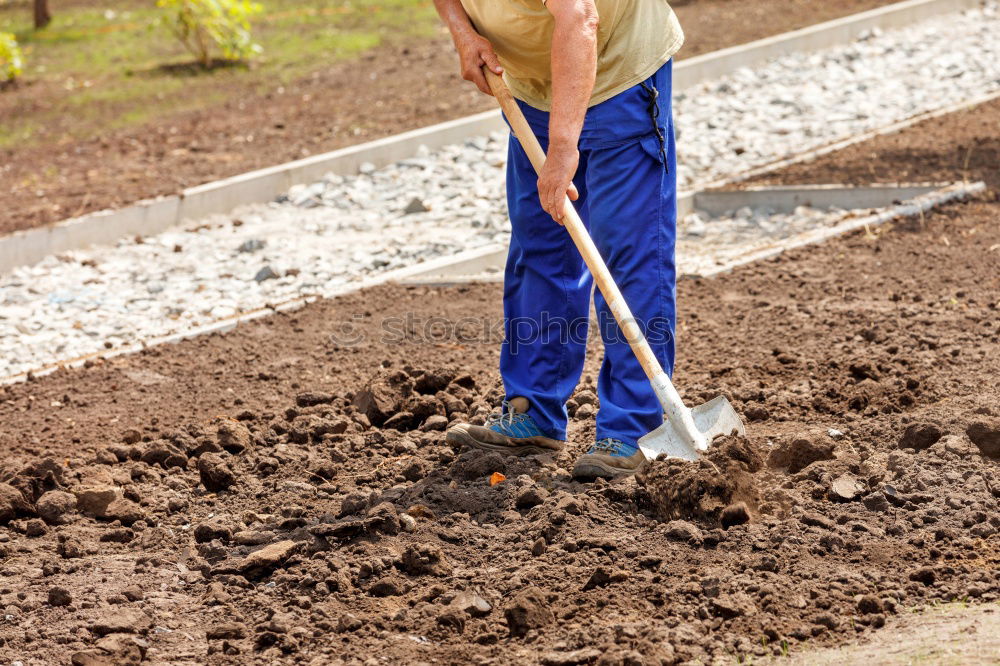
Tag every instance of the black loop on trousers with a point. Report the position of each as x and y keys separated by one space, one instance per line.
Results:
x=654 y=114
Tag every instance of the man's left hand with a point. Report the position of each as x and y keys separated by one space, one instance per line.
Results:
x=555 y=182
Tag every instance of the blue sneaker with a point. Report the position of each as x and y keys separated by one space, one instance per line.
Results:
x=609 y=458
x=509 y=432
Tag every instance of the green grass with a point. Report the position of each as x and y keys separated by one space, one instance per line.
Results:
x=98 y=68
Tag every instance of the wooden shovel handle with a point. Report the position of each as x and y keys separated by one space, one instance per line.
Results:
x=584 y=243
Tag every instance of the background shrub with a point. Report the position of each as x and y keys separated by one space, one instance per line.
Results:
x=11 y=60
x=202 y=25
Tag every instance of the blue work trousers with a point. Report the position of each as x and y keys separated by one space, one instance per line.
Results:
x=628 y=200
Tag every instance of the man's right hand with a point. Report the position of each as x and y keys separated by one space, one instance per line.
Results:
x=474 y=51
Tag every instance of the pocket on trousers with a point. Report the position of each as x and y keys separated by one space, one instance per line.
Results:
x=651 y=146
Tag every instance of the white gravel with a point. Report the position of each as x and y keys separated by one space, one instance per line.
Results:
x=331 y=233
x=802 y=101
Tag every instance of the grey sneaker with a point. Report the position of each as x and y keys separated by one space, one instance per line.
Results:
x=609 y=458
x=509 y=432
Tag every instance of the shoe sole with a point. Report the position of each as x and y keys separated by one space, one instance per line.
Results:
x=460 y=438
x=594 y=470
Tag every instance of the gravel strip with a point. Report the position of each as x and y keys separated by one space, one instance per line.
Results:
x=324 y=235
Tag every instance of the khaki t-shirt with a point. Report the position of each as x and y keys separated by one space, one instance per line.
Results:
x=634 y=39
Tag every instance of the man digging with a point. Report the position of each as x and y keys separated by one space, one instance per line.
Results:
x=593 y=78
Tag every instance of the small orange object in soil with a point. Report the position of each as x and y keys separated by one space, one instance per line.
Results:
x=496 y=478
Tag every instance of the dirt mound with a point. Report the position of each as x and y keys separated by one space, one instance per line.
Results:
x=717 y=489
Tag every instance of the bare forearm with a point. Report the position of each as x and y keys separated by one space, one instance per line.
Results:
x=574 y=67
x=455 y=18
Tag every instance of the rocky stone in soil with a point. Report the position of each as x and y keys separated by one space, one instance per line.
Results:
x=215 y=473
x=94 y=500
x=263 y=562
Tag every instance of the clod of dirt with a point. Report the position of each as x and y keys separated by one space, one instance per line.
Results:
x=210 y=530
x=12 y=504
x=35 y=528
x=313 y=398
x=69 y=548
x=54 y=506
x=869 y=604
x=111 y=651
x=682 y=530
x=390 y=586
x=165 y=453
x=603 y=576
x=530 y=496
x=425 y=559
x=435 y=422
x=799 y=452
x=528 y=610
x=39 y=477
x=920 y=436
x=383 y=518
x=126 y=511
x=215 y=474
x=925 y=575
x=226 y=630
x=348 y=622
x=701 y=490
x=432 y=381
x=233 y=436
x=728 y=606
x=737 y=513
x=473 y=465
x=382 y=397
x=59 y=596
x=985 y=435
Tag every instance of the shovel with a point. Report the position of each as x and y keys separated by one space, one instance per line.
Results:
x=685 y=433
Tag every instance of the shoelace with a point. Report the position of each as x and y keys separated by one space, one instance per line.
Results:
x=505 y=418
x=608 y=445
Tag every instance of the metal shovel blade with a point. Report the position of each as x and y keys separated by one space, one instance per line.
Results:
x=715 y=417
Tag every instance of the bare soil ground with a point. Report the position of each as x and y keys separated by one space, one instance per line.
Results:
x=388 y=90
x=957 y=146
x=279 y=495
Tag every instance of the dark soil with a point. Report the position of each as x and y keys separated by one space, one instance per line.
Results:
x=392 y=89
x=957 y=146
x=228 y=498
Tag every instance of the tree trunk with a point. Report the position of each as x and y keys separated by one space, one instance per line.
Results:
x=42 y=15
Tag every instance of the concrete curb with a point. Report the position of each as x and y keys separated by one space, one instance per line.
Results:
x=918 y=206
x=153 y=216
x=786 y=198
x=815 y=153
x=783 y=199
